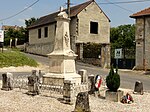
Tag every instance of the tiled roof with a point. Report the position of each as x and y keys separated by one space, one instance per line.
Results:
x=51 y=17
x=5 y=27
x=145 y=12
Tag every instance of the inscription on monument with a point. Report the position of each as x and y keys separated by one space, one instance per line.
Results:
x=55 y=66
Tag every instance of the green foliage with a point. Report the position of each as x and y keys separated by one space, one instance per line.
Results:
x=91 y=50
x=113 y=80
x=21 y=34
x=15 y=58
x=11 y=33
x=123 y=36
x=30 y=21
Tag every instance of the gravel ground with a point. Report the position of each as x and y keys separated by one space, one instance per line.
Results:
x=141 y=104
x=18 y=101
x=25 y=68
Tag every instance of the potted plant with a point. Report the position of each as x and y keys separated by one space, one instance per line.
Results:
x=113 y=83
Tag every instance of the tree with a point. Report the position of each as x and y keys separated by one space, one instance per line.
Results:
x=21 y=34
x=13 y=33
x=30 y=21
x=113 y=80
x=123 y=36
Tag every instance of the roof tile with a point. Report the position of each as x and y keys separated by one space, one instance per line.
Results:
x=145 y=12
x=51 y=17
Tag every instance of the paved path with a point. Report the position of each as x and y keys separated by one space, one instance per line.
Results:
x=128 y=77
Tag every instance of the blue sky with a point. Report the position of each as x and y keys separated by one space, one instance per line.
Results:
x=117 y=15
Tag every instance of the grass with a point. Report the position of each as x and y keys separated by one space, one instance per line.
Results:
x=15 y=58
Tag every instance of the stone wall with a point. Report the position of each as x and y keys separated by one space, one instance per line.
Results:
x=33 y=34
x=43 y=45
x=41 y=49
x=139 y=37
x=93 y=13
x=142 y=39
x=147 y=43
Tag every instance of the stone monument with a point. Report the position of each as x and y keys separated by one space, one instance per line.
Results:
x=62 y=59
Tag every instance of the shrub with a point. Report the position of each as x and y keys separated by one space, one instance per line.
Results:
x=91 y=50
x=113 y=80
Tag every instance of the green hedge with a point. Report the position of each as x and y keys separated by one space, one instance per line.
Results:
x=91 y=50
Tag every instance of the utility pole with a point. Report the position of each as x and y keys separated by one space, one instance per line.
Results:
x=68 y=8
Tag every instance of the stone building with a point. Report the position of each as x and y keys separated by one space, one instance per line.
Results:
x=142 y=39
x=88 y=24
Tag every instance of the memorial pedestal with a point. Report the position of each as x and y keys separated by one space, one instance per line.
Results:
x=62 y=59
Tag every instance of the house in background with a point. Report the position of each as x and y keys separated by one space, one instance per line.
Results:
x=88 y=24
x=142 y=38
x=6 y=27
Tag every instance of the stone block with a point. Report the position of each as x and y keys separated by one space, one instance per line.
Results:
x=114 y=96
x=138 y=87
x=84 y=76
x=51 y=79
x=7 y=81
x=91 y=84
x=82 y=102
x=68 y=91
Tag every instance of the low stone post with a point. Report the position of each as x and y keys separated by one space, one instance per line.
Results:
x=68 y=91
x=82 y=102
x=138 y=87
x=7 y=81
x=41 y=73
x=91 y=84
x=113 y=96
x=33 y=83
x=84 y=77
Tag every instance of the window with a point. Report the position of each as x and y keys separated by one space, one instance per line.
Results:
x=94 y=27
x=39 y=33
x=46 y=32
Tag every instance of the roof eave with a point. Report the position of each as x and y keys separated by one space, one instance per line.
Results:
x=32 y=27
x=103 y=12
x=138 y=16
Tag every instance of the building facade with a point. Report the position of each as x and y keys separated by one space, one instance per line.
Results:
x=142 y=39
x=88 y=24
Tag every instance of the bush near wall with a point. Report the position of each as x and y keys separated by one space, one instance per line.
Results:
x=91 y=50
